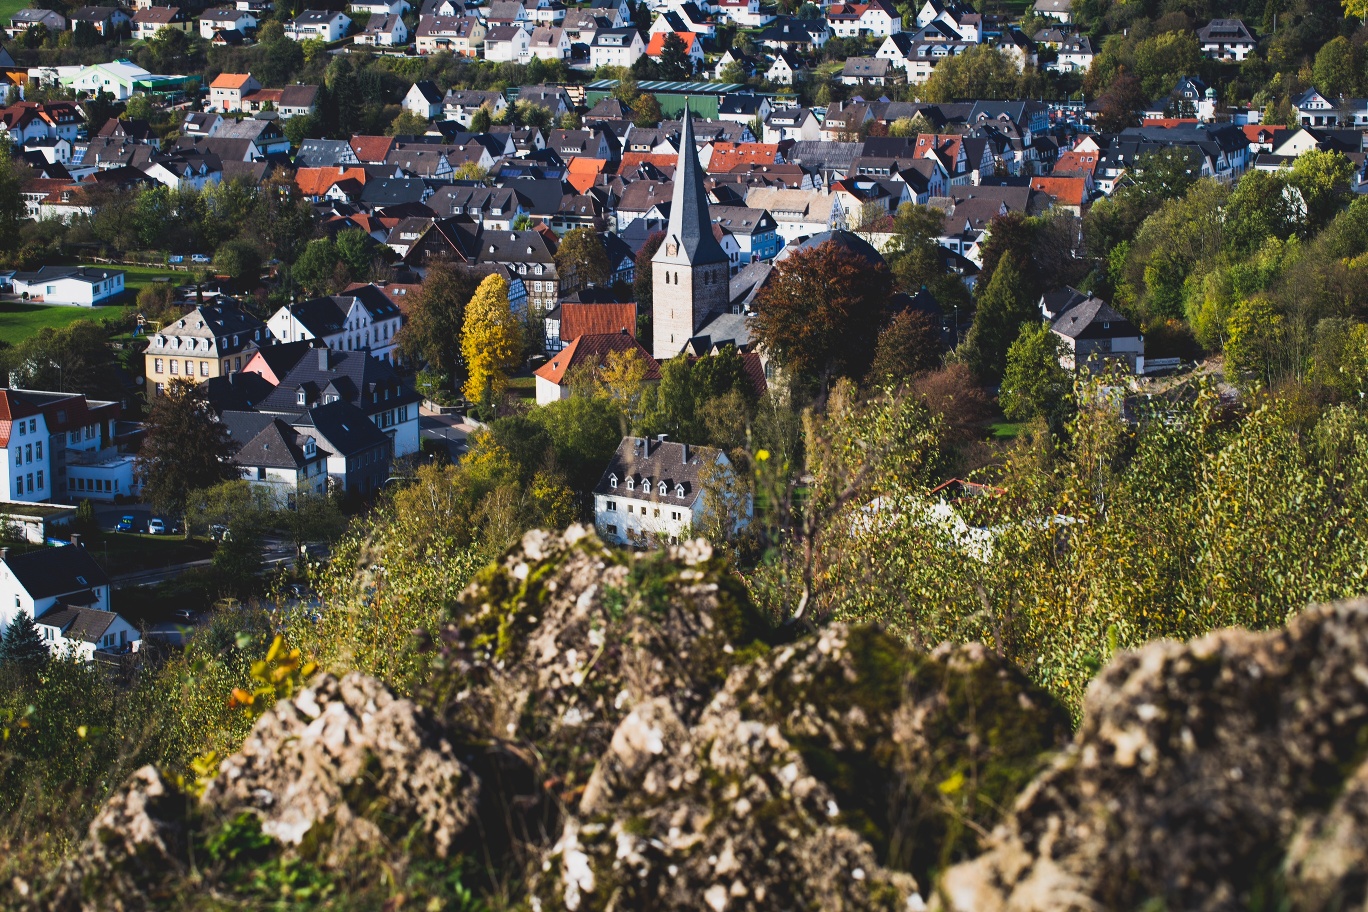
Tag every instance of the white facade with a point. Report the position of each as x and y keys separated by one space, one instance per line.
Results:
x=102 y=476
x=222 y=20
x=70 y=287
x=625 y=518
x=359 y=332
x=28 y=464
x=616 y=47
x=53 y=618
x=329 y=26
x=115 y=78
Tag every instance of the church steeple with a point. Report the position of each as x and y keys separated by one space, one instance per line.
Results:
x=690 y=271
x=690 y=227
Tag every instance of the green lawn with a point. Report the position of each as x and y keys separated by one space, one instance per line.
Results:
x=135 y=277
x=19 y=321
x=1006 y=430
x=9 y=7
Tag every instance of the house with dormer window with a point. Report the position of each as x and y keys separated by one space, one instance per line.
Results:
x=67 y=595
x=656 y=491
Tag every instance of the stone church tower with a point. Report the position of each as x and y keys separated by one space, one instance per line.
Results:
x=690 y=272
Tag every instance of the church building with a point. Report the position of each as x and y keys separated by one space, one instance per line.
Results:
x=690 y=271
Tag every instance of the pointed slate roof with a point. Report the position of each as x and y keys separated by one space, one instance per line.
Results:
x=690 y=227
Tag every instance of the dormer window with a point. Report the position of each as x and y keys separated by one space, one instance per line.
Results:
x=679 y=490
x=612 y=481
x=631 y=484
x=299 y=397
x=663 y=489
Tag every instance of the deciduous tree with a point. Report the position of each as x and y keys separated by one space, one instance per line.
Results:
x=186 y=449
x=491 y=339
x=432 y=334
x=907 y=346
x=819 y=316
x=581 y=260
x=1035 y=383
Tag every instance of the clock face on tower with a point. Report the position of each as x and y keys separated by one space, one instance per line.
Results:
x=672 y=249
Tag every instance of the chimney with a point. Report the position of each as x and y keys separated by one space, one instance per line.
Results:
x=685 y=448
x=323 y=358
x=76 y=540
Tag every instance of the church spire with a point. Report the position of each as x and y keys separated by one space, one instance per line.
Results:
x=690 y=230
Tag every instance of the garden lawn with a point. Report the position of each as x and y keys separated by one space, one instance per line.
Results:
x=9 y=7
x=19 y=321
x=136 y=277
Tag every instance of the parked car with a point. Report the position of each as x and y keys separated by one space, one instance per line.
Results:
x=219 y=533
x=156 y=527
x=201 y=258
x=175 y=260
x=127 y=524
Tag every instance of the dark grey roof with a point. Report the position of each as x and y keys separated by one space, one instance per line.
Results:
x=643 y=459
x=689 y=221
x=56 y=571
x=852 y=242
x=341 y=427
x=277 y=445
x=354 y=377
x=325 y=153
x=1094 y=318
x=85 y=624
x=392 y=191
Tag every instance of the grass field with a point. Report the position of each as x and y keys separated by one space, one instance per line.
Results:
x=135 y=277
x=19 y=321
x=9 y=7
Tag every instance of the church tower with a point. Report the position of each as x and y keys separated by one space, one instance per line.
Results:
x=690 y=272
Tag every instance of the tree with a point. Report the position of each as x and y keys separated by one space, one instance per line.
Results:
x=581 y=260
x=623 y=380
x=186 y=448
x=432 y=334
x=13 y=174
x=674 y=60
x=646 y=110
x=819 y=316
x=356 y=250
x=1120 y=104
x=316 y=266
x=407 y=124
x=481 y=120
x=1035 y=383
x=491 y=339
x=1001 y=311
x=1357 y=9
x=905 y=127
x=1336 y=70
x=1257 y=341
x=907 y=346
x=22 y=649
x=241 y=262
x=74 y=358
x=982 y=71
x=139 y=107
x=1322 y=179
x=471 y=171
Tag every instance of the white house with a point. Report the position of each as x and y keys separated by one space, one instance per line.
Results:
x=616 y=47
x=328 y=25
x=460 y=105
x=379 y=7
x=424 y=99
x=1075 y=55
x=116 y=78
x=67 y=595
x=1226 y=39
x=73 y=286
x=363 y=319
x=508 y=44
x=385 y=30
x=221 y=20
x=276 y=457
x=549 y=42
x=656 y=491
x=1094 y=334
x=27 y=474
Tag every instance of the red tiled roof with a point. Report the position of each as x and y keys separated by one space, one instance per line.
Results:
x=727 y=155
x=597 y=319
x=1068 y=191
x=593 y=350
x=658 y=42
x=11 y=409
x=230 y=80
x=631 y=160
x=317 y=181
x=582 y=172
x=372 y=148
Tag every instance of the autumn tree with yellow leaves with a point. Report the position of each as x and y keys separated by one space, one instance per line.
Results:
x=491 y=340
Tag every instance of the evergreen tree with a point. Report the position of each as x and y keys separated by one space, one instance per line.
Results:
x=997 y=322
x=21 y=647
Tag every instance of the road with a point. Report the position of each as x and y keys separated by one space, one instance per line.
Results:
x=449 y=429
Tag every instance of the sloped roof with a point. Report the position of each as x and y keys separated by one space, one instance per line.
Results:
x=230 y=80
x=56 y=571
x=593 y=351
x=596 y=319
x=1093 y=317
x=642 y=460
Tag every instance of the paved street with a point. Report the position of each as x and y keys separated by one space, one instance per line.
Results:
x=449 y=429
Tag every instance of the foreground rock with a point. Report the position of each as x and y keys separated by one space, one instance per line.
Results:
x=810 y=781
x=1225 y=773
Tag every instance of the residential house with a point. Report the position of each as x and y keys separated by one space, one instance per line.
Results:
x=870 y=71
x=358 y=452
x=424 y=99
x=794 y=34
x=792 y=123
x=755 y=230
x=148 y=22
x=1226 y=39
x=25 y=19
x=463 y=36
x=745 y=13
x=784 y=69
x=1075 y=55
x=843 y=121
x=508 y=44
x=531 y=254
x=227 y=89
x=571 y=319
x=386 y=30
x=378 y=8
x=1061 y=10
x=553 y=98
x=360 y=320
x=213 y=340
x=585 y=354
x=327 y=25
x=79 y=461
x=67 y=595
x=72 y=286
x=693 y=47
x=620 y=47
x=272 y=455
x=27 y=473
x=461 y=104
x=27 y=120
x=798 y=213
x=217 y=20
x=1096 y=336
x=104 y=19
x=358 y=379
x=118 y=78
x=658 y=491
x=549 y=43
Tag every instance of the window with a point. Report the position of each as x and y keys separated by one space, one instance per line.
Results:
x=28 y=453
x=237 y=363
x=611 y=530
x=18 y=455
x=631 y=484
x=663 y=489
x=204 y=368
x=161 y=388
x=157 y=365
x=40 y=479
x=612 y=481
x=39 y=445
x=33 y=425
x=175 y=366
x=656 y=514
x=611 y=506
x=679 y=490
x=674 y=514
